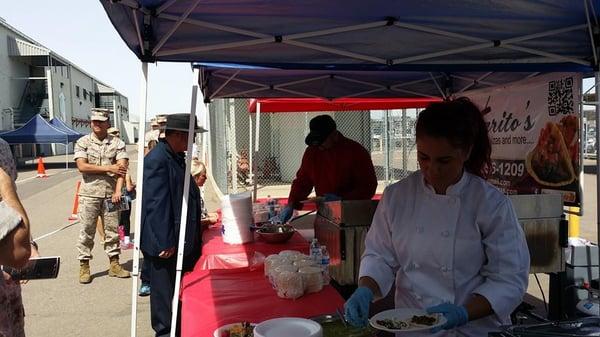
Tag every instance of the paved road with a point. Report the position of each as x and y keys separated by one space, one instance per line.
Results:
x=63 y=307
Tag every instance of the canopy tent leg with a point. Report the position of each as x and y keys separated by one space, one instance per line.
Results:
x=139 y=191
x=184 y=204
x=256 y=147
x=205 y=139
x=66 y=156
x=597 y=114
x=386 y=148
x=251 y=155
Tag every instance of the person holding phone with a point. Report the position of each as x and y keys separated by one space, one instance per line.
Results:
x=15 y=246
x=102 y=160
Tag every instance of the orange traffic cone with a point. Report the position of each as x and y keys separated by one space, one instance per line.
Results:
x=75 y=203
x=40 y=168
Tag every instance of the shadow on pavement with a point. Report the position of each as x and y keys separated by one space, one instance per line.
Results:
x=127 y=266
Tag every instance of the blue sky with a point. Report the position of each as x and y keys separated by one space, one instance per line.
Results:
x=80 y=31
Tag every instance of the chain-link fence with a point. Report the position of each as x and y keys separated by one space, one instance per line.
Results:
x=387 y=134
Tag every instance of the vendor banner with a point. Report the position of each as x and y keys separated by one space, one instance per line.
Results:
x=534 y=130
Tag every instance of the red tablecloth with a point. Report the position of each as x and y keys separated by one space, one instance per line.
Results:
x=215 y=251
x=212 y=298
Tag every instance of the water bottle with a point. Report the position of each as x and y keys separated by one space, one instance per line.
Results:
x=271 y=203
x=325 y=265
x=315 y=251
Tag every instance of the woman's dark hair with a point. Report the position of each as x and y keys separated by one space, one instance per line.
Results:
x=460 y=122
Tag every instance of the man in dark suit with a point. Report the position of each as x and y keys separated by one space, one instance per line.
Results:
x=164 y=174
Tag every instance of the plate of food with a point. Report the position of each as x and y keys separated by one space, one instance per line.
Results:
x=241 y=329
x=406 y=319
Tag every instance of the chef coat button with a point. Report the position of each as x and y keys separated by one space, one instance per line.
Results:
x=445 y=234
x=418 y=297
x=416 y=265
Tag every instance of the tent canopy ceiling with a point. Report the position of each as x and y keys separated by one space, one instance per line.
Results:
x=410 y=35
x=240 y=81
x=343 y=104
x=38 y=131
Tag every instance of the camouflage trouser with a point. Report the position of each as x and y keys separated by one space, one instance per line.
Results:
x=89 y=210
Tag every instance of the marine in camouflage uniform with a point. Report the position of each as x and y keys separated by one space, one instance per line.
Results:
x=102 y=160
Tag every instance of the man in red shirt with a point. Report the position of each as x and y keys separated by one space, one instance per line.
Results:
x=337 y=168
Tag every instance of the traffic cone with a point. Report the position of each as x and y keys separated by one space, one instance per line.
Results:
x=41 y=170
x=75 y=203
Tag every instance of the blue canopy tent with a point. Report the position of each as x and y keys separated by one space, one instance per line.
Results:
x=353 y=48
x=59 y=124
x=39 y=131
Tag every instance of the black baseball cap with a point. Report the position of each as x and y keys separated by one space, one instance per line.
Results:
x=320 y=127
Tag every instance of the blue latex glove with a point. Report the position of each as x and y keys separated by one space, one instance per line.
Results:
x=356 y=309
x=456 y=315
x=286 y=214
x=331 y=197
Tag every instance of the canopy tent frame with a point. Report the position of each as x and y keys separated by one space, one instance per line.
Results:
x=435 y=59
x=297 y=105
x=376 y=87
x=52 y=127
x=258 y=38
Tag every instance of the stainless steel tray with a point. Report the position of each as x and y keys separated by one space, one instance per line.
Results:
x=588 y=326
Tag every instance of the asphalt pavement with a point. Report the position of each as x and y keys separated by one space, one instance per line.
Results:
x=63 y=307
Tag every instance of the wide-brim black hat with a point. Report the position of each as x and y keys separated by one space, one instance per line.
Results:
x=320 y=128
x=180 y=122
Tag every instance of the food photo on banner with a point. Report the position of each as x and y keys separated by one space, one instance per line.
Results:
x=534 y=130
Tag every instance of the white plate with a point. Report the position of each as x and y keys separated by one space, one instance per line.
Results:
x=288 y=327
x=218 y=331
x=405 y=314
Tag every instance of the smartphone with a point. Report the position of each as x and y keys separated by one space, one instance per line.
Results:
x=36 y=269
x=113 y=207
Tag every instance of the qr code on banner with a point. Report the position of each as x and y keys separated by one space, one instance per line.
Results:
x=560 y=97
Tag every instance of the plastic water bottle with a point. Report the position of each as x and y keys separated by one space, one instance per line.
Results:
x=271 y=203
x=315 y=251
x=325 y=265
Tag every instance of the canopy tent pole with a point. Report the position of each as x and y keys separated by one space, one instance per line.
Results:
x=251 y=155
x=203 y=155
x=386 y=147
x=139 y=191
x=597 y=104
x=185 y=203
x=404 y=145
x=257 y=141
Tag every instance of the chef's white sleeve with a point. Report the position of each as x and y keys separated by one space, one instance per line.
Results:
x=379 y=259
x=506 y=270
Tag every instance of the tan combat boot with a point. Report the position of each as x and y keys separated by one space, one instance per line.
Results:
x=84 y=272
x=116 y=270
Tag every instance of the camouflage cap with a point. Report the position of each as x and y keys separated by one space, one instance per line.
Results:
x=98 y=114
x=112 y=130
x=153 y=121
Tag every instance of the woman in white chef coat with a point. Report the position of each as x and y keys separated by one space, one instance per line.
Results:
x=449 y=239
